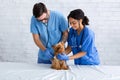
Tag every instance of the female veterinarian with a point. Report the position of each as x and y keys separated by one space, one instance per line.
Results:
x=80 y=41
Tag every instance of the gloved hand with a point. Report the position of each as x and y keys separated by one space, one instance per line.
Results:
x=48 y=54
x=62 y=56
x=51 y=50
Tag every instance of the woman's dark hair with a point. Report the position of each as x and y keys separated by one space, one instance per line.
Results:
x=79 y=14
x=39 y=9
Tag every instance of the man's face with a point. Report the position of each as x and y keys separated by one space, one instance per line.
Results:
x=43 y=17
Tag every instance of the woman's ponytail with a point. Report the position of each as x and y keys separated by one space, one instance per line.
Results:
x=85 y=20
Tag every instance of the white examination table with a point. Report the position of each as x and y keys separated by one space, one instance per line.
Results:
x=24 y=71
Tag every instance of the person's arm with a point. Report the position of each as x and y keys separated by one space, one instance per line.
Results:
x=47 y=52
x=78 y=55
x=66 y=57
x=65 y=36
x=68 y=50
x=38 y=42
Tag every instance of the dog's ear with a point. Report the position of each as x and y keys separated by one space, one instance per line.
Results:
x=62 y=43
x=56 y=47
x=59 y=47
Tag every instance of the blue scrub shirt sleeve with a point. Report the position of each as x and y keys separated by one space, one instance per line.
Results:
x=69 y=39
x=63 y=23
x=87 y=43
x=33 y=28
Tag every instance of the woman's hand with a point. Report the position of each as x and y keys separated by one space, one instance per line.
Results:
x=62 y=56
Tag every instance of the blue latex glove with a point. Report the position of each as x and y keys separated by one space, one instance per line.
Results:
x=62 y=57
x=48 y=54
x=51 y=50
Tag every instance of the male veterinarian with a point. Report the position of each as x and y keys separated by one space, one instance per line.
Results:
x=48 y=28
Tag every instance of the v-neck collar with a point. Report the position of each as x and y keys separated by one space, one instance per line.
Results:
x=80 y=32
x=49 y=18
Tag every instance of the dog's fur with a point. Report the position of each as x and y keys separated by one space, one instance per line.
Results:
x=56 y=63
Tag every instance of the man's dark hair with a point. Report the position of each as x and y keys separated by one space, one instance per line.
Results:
x=39 y=9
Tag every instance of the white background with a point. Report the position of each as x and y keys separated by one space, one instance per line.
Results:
x=16 y=43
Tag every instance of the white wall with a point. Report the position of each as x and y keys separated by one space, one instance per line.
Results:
x=16 y=43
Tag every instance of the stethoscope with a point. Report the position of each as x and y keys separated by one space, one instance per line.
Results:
x=74 y=40
x=46 y=26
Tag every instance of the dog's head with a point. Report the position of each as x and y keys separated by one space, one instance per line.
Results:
x=59 y=48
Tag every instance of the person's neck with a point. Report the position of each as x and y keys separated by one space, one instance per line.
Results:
x=80 y=29
x=48 y=15
x=48 y=12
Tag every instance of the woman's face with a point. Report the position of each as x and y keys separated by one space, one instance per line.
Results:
x=74 y=23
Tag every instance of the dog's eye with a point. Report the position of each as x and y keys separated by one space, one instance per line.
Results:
x=60 y=48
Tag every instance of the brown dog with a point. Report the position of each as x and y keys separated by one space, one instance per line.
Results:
x=56 y=63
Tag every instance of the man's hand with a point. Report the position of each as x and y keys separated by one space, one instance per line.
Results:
x=48 y=54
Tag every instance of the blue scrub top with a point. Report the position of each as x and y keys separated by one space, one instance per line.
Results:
x=84 y=42
x=51 y=33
